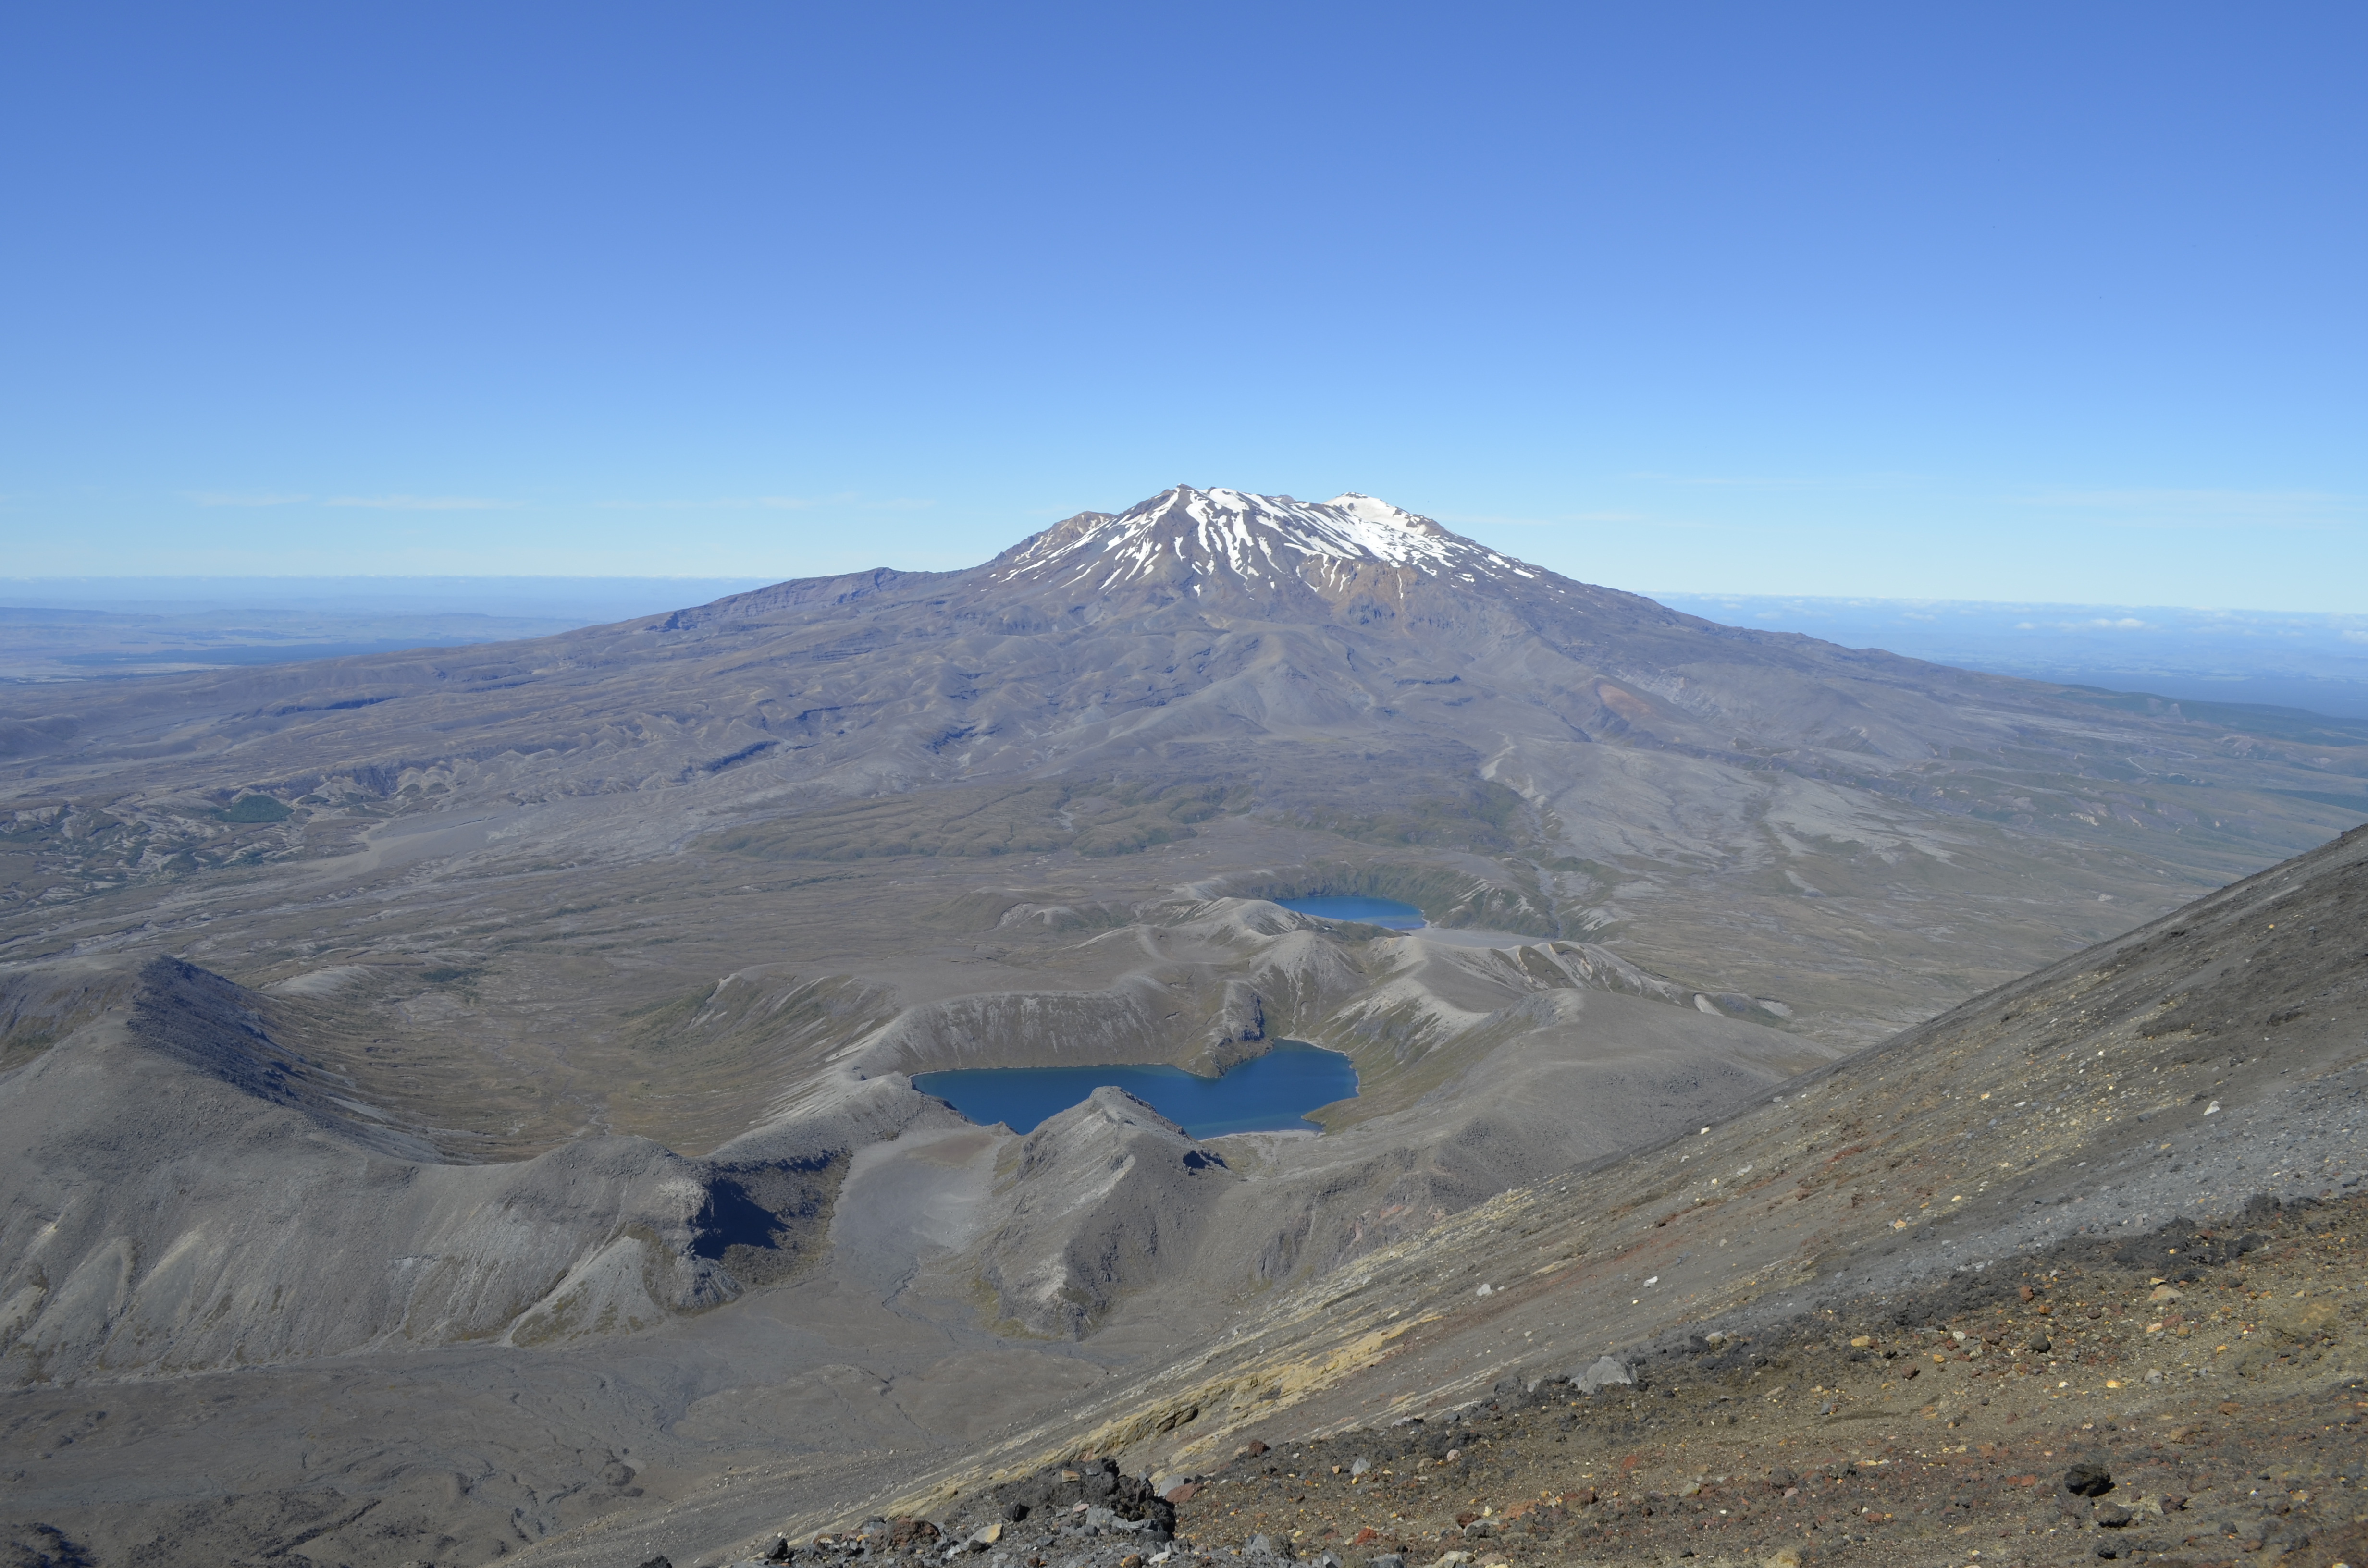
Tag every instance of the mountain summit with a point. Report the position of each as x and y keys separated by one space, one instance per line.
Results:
x=1268 y=548
x=1188 y=541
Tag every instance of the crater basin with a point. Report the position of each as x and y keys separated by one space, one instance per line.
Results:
x=1387 y=911
x=1267 y=1094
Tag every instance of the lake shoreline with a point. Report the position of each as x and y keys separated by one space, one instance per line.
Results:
x=1271 y=1092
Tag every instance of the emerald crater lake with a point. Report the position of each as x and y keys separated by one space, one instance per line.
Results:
x=1387 y=911
x=1267 y=1094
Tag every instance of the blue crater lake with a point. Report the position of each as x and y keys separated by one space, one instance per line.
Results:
x=1265 y=1094
x=1387 y=911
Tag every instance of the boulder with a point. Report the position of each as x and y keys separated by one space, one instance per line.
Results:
x=2087 y=1481
x=1604 y=1371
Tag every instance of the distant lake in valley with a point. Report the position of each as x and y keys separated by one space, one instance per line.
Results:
x=1372 y=911
x=1267 y=1094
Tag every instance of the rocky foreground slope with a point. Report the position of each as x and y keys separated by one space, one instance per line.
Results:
x=2037 y=1415
x=2043 y=1414
x=2102 y=1217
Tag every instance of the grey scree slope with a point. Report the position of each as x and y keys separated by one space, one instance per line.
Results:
x=2186 y=1073
x=436 y=1185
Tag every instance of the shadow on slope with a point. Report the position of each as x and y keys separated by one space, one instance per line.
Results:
x=188 y=1192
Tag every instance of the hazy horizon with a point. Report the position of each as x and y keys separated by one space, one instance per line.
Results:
x=71 y=590
x=2313 y=661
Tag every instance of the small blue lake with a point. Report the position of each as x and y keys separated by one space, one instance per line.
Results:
x=1387 y=911
x=1267 y=1094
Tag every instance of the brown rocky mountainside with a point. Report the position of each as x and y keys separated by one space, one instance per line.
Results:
x=460 y=1101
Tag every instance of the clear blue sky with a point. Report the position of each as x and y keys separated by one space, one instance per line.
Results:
x=2032 y=303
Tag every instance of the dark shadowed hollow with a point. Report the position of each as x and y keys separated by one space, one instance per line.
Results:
x=1267 y=1094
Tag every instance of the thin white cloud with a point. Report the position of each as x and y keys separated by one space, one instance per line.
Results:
x=1877 y=481
x=245 y=498
x=731 y=504
x=423 y=502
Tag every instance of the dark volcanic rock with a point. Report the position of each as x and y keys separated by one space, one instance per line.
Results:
x=1059 y=1490
x=2087 y=1481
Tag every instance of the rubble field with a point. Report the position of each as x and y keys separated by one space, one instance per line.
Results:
x=2192 y=1396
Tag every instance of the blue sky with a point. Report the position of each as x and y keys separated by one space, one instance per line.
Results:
x=2038 y=304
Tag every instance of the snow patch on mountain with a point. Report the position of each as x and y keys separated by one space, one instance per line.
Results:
x=1249 y=536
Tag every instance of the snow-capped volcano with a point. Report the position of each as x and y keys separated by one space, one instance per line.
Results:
x=1183 y=537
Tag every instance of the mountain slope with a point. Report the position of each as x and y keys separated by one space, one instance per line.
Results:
x=2171 y=1113
x=1230 y=682
x=186 y=1192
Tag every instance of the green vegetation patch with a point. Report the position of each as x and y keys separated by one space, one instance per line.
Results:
x=2350 y=802
x=1477 y=814
x=2298 y=724
x=1090 y=818
x=257 y=808
x=662 y=1026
